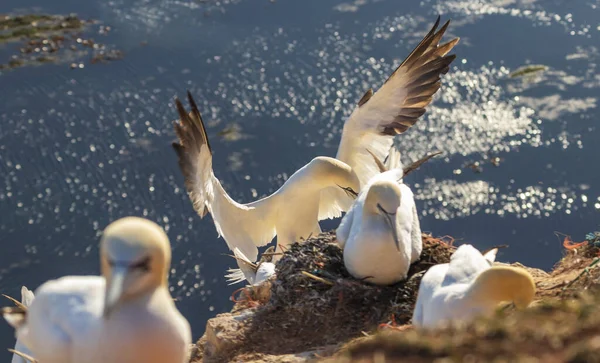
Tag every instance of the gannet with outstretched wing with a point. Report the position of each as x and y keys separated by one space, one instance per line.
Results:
x=291 y=212
x=323 y=188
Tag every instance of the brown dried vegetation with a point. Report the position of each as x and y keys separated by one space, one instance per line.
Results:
x=315 y=310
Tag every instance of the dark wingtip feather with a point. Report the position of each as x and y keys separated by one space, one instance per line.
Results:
x=196 y=113
x=421 y=72
x=414 y=166
x=181 y=110
x=191 y=132
x=378 y=162
x=178 y=148
x=366 y=97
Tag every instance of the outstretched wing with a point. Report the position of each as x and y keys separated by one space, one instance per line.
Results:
x=396 y=106
x=244 y=226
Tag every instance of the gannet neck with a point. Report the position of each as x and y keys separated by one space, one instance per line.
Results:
x=135 y=258
x=503 y=283
x=383 y=195
x=325 y=171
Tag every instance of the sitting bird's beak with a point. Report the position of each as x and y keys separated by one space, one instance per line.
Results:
x=390 y=219
x=114 y=289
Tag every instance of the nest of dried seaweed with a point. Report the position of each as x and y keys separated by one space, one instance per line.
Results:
x=315 y=302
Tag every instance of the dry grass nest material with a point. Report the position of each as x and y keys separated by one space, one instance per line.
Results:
x=329 y=306
x=327 y=312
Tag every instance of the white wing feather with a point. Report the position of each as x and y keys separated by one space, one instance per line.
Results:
x=342 y=233
x=490 y=255
x=465 y=264
x=243 y=226
x=246 y=271
x=394 y=108
x=431 y=281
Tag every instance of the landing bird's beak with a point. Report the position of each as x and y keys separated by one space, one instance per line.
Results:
x=349 y=191
x=114 y=289
x=390 y=219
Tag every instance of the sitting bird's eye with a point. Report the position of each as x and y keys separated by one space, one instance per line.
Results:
x=382 y=210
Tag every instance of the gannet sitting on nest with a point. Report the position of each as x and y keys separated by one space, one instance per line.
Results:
x=125 y=316
x=381 y=233
x=324 y=187
x=469 y=286
x=254 y=273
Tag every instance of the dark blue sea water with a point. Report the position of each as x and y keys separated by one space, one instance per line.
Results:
x=81 y=148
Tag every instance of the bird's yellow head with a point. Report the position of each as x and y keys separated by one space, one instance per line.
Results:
x=135 y=256
x=505 y=283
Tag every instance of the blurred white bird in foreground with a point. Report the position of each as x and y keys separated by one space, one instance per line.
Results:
x=381 y=233
x=325 y=187
x=469 y=286
x=254 y=273
x=126 y=315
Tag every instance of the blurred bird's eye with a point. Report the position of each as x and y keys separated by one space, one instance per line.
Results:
x=382 y=210
x=143 y=265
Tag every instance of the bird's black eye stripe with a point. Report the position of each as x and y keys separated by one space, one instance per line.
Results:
x=142 y=265
x=384 y=211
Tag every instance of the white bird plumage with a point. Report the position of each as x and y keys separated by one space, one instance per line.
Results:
x=467 y=287
x=390 y=111
x=254 y=273
x=381 y=234
x=291 y=212
x=321 y=189
x=125 y=316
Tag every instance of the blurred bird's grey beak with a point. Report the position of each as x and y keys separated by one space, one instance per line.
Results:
x=390 y=219
x=114 y=289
